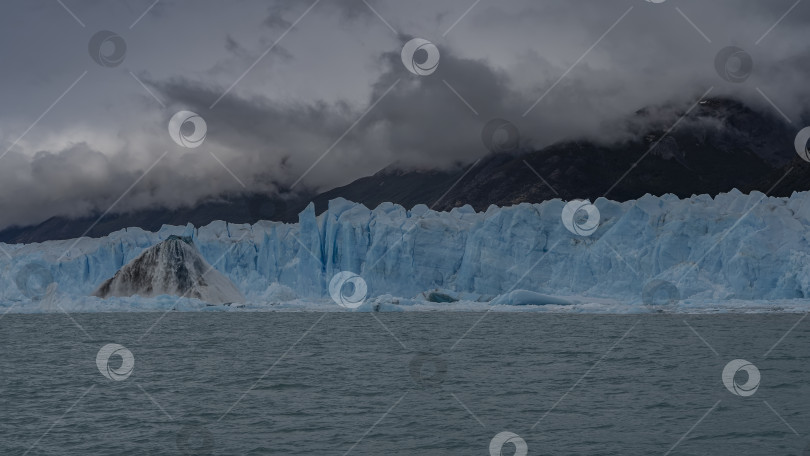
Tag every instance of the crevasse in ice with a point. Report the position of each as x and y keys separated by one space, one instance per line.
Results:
x=730 y=247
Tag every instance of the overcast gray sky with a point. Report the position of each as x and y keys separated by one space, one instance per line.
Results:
x=75 y=135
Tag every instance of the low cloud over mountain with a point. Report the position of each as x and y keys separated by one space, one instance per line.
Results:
x=332 y=90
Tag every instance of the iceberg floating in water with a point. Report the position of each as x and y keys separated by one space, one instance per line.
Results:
x=528 y=298
x=731 y=248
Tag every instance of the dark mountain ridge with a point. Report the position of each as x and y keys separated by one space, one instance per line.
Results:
x=720 y=145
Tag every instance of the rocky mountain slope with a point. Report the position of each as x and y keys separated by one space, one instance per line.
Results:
x=719 y=146
x=172 y=267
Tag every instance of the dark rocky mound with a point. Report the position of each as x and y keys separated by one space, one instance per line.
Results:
x=172 y=267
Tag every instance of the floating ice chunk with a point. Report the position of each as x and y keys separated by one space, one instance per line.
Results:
x=528 y=298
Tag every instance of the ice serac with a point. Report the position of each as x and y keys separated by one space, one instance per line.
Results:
x=172 y=267
x=729 y=248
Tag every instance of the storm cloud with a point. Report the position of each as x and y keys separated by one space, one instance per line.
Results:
x=303 y=98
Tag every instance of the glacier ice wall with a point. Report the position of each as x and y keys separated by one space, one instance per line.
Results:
x=733 y=246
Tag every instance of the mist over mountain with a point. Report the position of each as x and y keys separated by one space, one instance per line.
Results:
x=404 y=227
x=331 y=101
x=721 y=144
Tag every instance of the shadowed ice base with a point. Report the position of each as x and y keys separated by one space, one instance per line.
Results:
x=387 y=303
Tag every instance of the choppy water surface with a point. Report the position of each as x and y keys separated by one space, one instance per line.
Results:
x=314 y=383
